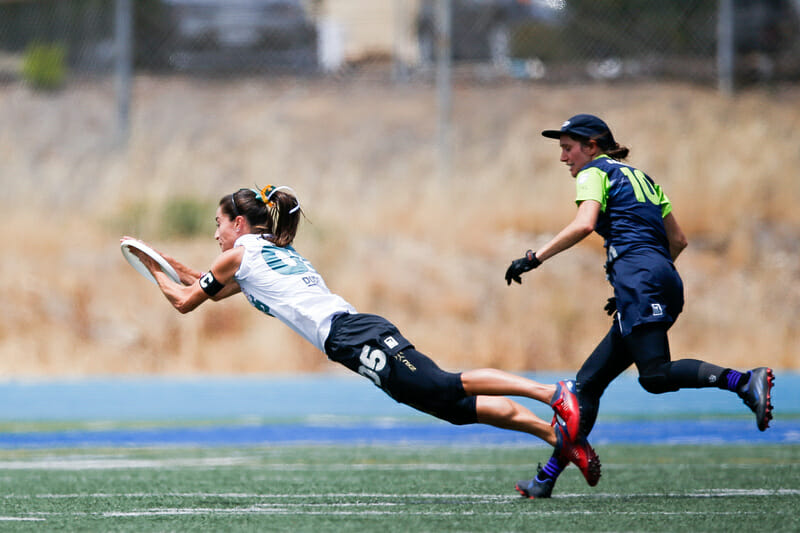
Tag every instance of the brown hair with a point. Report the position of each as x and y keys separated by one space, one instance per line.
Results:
x=276 y=215
x=607 y=145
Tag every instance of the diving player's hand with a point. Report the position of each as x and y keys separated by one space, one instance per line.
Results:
x=520 y=266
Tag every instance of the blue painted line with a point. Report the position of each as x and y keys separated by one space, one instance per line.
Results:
x=356 y=412
x=614 y=432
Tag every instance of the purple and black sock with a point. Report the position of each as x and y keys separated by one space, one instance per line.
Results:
x=732 y=380
x=552 y=469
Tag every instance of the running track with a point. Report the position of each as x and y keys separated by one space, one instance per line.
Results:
x=255 y=411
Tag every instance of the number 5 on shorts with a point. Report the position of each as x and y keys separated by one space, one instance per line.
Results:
x=372 y=362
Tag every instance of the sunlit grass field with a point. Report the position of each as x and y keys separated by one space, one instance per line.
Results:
x=396 y=488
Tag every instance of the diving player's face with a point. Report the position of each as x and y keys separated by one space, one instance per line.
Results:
x=575 y=155
x=226 y=233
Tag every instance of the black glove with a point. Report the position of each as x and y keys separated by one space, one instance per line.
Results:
x=611 y=306
x=520 y=266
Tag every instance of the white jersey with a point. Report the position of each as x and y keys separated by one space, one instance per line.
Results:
x=283 y=284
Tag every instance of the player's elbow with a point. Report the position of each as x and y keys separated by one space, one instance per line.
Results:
x=186 y=299
x=584 y=229
x=184 y=306
x=679 y=243
x=183 y=309
x=676 y=246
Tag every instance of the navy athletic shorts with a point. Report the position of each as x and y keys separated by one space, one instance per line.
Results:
x=372 y=346
x=648 y=289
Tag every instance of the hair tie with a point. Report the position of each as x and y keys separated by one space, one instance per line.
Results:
x=264 y=195
x=269 y=190
x=258 y=194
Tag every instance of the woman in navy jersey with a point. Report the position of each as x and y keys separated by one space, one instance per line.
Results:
x=255 y=231
x=642 y=240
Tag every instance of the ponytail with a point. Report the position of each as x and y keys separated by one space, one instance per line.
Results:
x=607 y=145
x=285 y=211
x=270 y=211
x=620 y=153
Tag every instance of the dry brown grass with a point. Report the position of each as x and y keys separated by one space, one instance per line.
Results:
x=386 y=233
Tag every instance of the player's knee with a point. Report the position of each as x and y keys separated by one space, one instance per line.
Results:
x=503 y=408
x=496 y=410
x=657 y=383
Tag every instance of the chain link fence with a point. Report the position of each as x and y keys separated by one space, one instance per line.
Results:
x=549 y=40
x=731 y=44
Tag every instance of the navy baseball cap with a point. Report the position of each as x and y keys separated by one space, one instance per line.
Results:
x=588 y=126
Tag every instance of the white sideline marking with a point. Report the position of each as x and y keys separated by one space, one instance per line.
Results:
x=117 y=464
x=397 y=498
x=325 y=511
x=238 y=495
x=100 y=463
x=283 y=504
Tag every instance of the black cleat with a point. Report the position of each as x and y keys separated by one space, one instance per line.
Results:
x=757 y=395
x=533 y=488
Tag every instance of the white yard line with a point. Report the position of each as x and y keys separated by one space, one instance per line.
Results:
x=398 y=498
x=368 y=510
x=400 y=504
x=258 y=462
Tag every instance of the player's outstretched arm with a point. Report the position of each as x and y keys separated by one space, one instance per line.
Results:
x=186 y=274
x=581 y=227
x=186 y=298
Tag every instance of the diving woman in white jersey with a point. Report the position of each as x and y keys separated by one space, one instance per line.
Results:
x=256 y=229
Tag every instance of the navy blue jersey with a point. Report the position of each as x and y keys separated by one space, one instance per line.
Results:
x=632 y=206
x=631 y=220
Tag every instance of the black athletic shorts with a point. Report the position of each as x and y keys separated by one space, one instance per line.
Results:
x=372 y=346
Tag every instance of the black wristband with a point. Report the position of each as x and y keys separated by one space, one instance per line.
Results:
x=209 y=284
x=531 y=255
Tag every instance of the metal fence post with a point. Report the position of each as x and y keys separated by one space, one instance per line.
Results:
x=123 y=59
x=725 y=47
x=444 y=87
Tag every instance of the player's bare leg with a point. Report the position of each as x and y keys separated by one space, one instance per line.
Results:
x=505 y=413
x=492 y=382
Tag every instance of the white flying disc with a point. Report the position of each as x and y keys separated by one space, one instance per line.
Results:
x=127 y=244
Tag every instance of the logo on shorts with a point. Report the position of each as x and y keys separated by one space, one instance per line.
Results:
x=390 y=342
x=657 y=310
